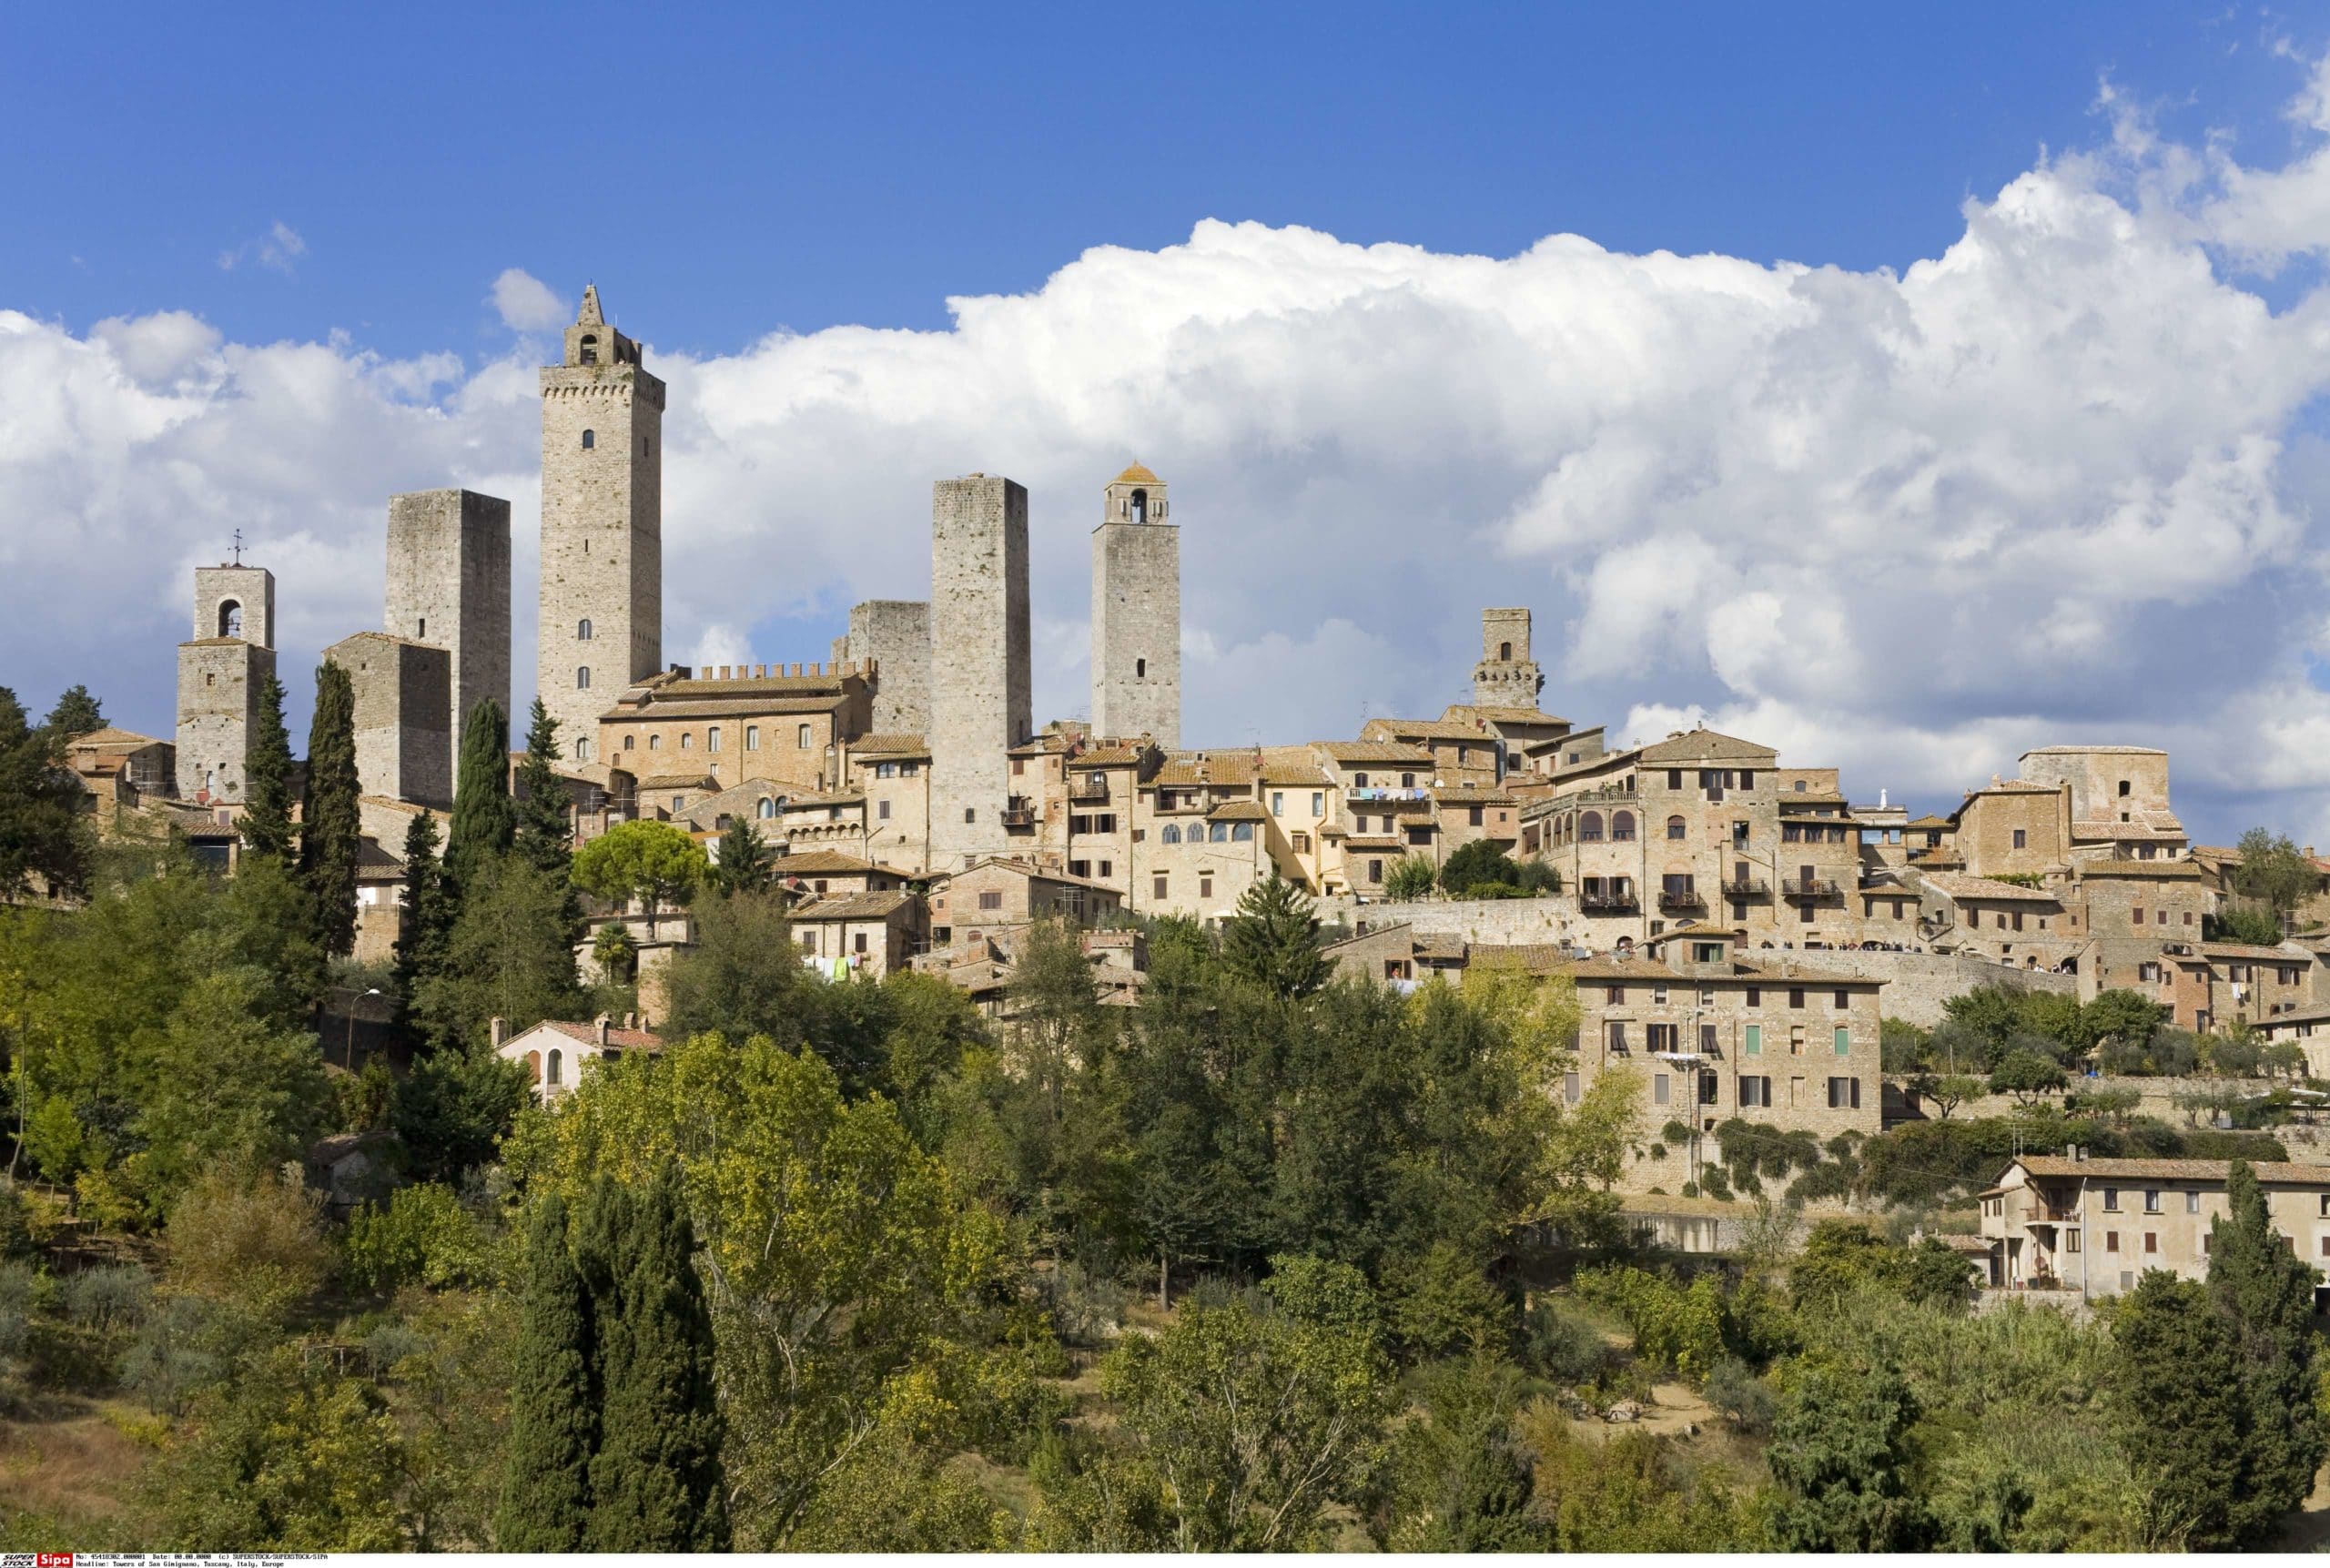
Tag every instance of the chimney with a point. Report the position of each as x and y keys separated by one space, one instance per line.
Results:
x=497 y=1031
x=599 y=1028
x=631 y=1021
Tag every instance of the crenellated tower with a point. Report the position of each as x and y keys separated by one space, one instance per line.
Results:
x=602 y=623
x=1506 y=677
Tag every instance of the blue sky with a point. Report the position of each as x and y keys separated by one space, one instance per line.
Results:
x=724 y=170
x=1902 y=388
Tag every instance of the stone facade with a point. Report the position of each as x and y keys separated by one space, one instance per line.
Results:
x=449 y=585
x=404 y=744
x=1506 y=676
x=1137 y=613
x=892 y=637
x=732 y=723
x=220 y=672
x=601 y=625
x=979 y=691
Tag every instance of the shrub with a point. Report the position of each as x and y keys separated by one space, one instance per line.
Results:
x=251 y=1240
x=1562 y=1348
x=424 y=1236
x=108 y=1299
x=1744 y=1399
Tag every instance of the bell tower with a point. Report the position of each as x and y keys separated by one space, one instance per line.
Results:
x=601 y=624
x=1136 y=612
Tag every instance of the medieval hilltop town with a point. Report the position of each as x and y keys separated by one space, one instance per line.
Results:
x=1736 y=927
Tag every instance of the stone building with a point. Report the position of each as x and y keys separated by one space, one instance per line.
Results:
x=1136 y=612
x=862 y=934
x=891 y=771
x=996 y=894
x=891 y=637
x=220 y=674
x=1506 y=677
x=601 y=627
x=979 y=680
x=449 y=585
x=2027 y=926
x=2097 y=1226
x=404 y=747
x=782 y=723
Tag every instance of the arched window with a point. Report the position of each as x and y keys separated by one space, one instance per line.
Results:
x=1505 y=651
x=1674 y=828
x=590 y=354
x=582 y=678
x=712 y=739
x=1172 y=834
x=230 y=624
x=590 y=440
x=583 y=630
x=554 y=1075
x=582 y=750
x=654 y=742
x=752 y=737
x=766 y=809
x=1241 y=832
x=627 y=741
x=1589 y=827
x=1622 y=828
x=1138 y=506
x=1218 y=832
x=687 y=740
x=804 y=738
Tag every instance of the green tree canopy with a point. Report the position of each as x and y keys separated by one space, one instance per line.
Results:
x=330 y=818
x=553 y=1399
x=1274 y=938
x=485 y=821
x=743 y=864
x=651 y=862
x=42 y=834
x=77 y=713
x=2273 y=871
x=266 y=824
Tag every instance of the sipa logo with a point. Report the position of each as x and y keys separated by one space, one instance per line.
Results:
x=53 y=1560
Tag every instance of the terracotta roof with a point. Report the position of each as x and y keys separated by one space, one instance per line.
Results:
x=1430 y=729
x=2270 y=1171
x=889 y=746
x=588 y=1033
x=852 y=907
x=1503 y=715
x=2108 y=831
x=678 y=780
x=2014 y=786
x=2142 y=870
x=1371 y=844
x=1929 y=820
x=1963 y=887
x=667 y=686
x=1117 y=756
x=1375 y=752
x=825 y=863
x=1708 y=744
x=1471 y=795
x=2099 y=751
x=2244 y=950
x=111 y=736
x=662 y=709
x=1136 y=474
x=2313 y=1015
x=1238 y=811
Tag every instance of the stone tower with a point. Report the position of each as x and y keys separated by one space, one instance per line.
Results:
x=895 y=635
x=1505 y=677
x=220 y=672
x=979 y=702
x=405 y=743
x=449 y=585
x=602 y=529
x=1136 y=612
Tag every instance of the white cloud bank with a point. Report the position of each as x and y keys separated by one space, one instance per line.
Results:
x=2056 y=484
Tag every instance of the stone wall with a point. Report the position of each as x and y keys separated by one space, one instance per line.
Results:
x=404 y=747
x=979 y=699
x=895 y=635
x=218 y=689
x=1136 y=632
x=1917 y=983
x=449 y=585
x=1501 y=920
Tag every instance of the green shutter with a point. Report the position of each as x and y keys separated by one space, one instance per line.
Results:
x=1754 y=1039
x=1844 y=1042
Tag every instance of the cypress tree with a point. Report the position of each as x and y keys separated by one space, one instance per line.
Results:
x=330 y=823
x=266 y=778
x=77 y=713
x=485 y=824
x=427 y=910
x=2265 y=1293
x=42 y=831
x=553 y=1406
x=544 y=834
x=656 y=1483
x=743 y=864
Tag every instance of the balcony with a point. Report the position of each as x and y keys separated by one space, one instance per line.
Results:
x=1741 y=888
x=1089 y=790
x=1680 y=900
x=1020 y=812
x=1809 y=890
x=1605 y=902
x=2038 y=1211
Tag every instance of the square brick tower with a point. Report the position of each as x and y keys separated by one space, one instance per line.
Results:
x=895 y=634
x=449 y=585
x=1506 y=677
x=1136 y=612
x=602 y=529
x=220 y=672
x=980 y=705
x=404 y=748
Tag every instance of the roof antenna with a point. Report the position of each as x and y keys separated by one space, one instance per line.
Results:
x=238 y=547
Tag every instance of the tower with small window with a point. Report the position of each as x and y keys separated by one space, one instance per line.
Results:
x=220 y=672
x=449 y=586
x=1506 y=677
x=1136 y=612
x=601 y=620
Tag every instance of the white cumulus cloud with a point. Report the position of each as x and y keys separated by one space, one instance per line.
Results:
x=279 y=249
x=2059 y=482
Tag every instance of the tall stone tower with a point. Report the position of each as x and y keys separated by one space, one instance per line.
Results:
x=1136 y=612
x=1505 y=677
x=602 y=529
x=894 y=633
x=404 y=748
x=449 y=585
x=979 y=701
x=220 y=672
